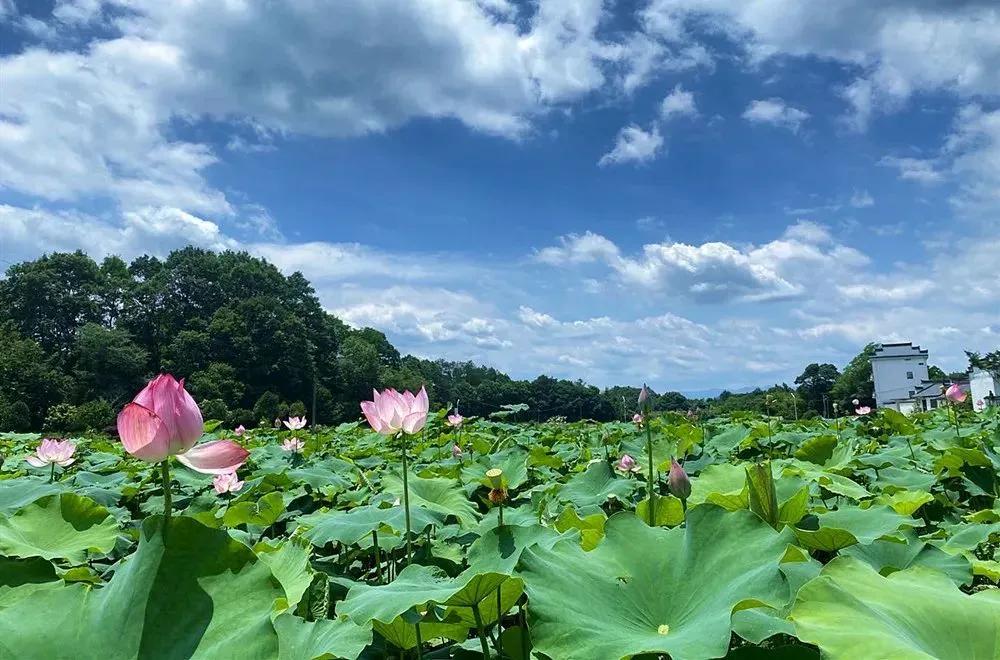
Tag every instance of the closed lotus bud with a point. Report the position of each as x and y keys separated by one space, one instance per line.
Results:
x=495 y=477
x=955 y=393
x=678 y=481
x=456 y=451
x=643 y=395
x=637 y=418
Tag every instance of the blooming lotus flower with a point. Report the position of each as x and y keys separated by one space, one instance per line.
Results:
x=955 y=393
x=637 y=418
x=455 y=419
x=626 y=463
x=456 y=452
x=293 y=445
x=59 y=452
x=163 y=420
x=678 y=481
x=227 y=483
x=862 y=410
x=391 y=413
x=239 y=430
x=295 y=423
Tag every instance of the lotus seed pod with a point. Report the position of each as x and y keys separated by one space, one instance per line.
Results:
x=495 y=477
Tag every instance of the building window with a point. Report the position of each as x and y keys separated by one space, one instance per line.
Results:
x=909 y=375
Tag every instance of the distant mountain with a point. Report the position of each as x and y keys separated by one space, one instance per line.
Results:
x=712 y=393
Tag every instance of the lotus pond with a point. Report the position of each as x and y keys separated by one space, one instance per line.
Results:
x=869 y=537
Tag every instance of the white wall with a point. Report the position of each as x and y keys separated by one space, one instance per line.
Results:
x=981 y=384
x=890 y=377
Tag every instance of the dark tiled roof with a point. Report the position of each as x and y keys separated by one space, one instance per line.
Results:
x=901 y=349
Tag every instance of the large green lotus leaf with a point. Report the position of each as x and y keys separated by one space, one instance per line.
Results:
x=330 y=475
x=725 y=442
x=262 y=513
x=403 y=634
x=65 y=526
x=513 y=462
x=849 y=525
x=722 y=478
x=817 y=449
x=299 y=639
x=759 y=623
x=905 y=478
x=591 y=527
x=499 y=549
x=442 y=495
x=510 y=593
x=203 y=595
x=416 y=586
x=18 y=493
x=906 y=502
x=650 y=590
x=669 y=511
x=886 y=557
x=850 y=611
x=590 y=489
x=350 y=527
x=965 y=537
x=289 y=563
x=17 y=572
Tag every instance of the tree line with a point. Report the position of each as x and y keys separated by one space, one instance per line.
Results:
x=78 y=338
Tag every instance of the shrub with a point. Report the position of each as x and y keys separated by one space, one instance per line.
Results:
x=214 y=409
x=92 y=416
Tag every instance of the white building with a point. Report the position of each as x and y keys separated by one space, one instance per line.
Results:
x=901 y=378
x=984 y=387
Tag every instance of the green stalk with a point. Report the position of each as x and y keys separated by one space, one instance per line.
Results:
x=52 y=472
x=954 y=420
x=420 y=642
x=378 y=556
x=406 y=505
x=649 y=481
x=165 y=476
x=481 y=630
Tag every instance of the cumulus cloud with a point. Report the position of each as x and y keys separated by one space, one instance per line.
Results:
x=634 y=145
x=920 y=170
x=716 y=271
x=898 y=47
x=776 y=112
x=678 y=103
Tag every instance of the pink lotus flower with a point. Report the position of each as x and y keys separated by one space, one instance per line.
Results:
x=295 y=423
x=626 y=464
x=227 y=483
x=239 y=430
x=293 y=445
x=391 y=413
x=163 y=420
x=637 y=418
x=862 y=410
x=955 y=393
x=456 y=452
x=643 y=395
x=980 y=404
x=678 y=481
x=51 y=451
x=455 y=419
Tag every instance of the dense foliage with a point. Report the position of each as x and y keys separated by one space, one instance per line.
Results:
x=869 y=537
x=78 y=337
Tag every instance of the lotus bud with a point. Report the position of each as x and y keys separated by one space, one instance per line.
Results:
x=626 y=463
x=678 y=481
x=239 y=430
x=643 y=395
x=637 y=419
x=456 y=452
x=955 y=393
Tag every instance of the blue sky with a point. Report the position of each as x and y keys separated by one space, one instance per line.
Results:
x=694 y=193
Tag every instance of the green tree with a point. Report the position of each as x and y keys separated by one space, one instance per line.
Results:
x=109 y=365
x=815 y=384
x=856 y=380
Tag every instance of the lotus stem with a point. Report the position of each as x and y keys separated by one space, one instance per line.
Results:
x=406 y=505
x=954 y=420
x=52 y=472
x=649 y=484
x=420 y=642
x=482 y=632
x=165 y=476
x=378 y=556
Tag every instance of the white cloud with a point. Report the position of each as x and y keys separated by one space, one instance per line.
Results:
x=914 y=169
x=776 y=112
x=634 y=144
x=899 y=47
x=678 y=103
x=861 y=199
x=715 y=271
